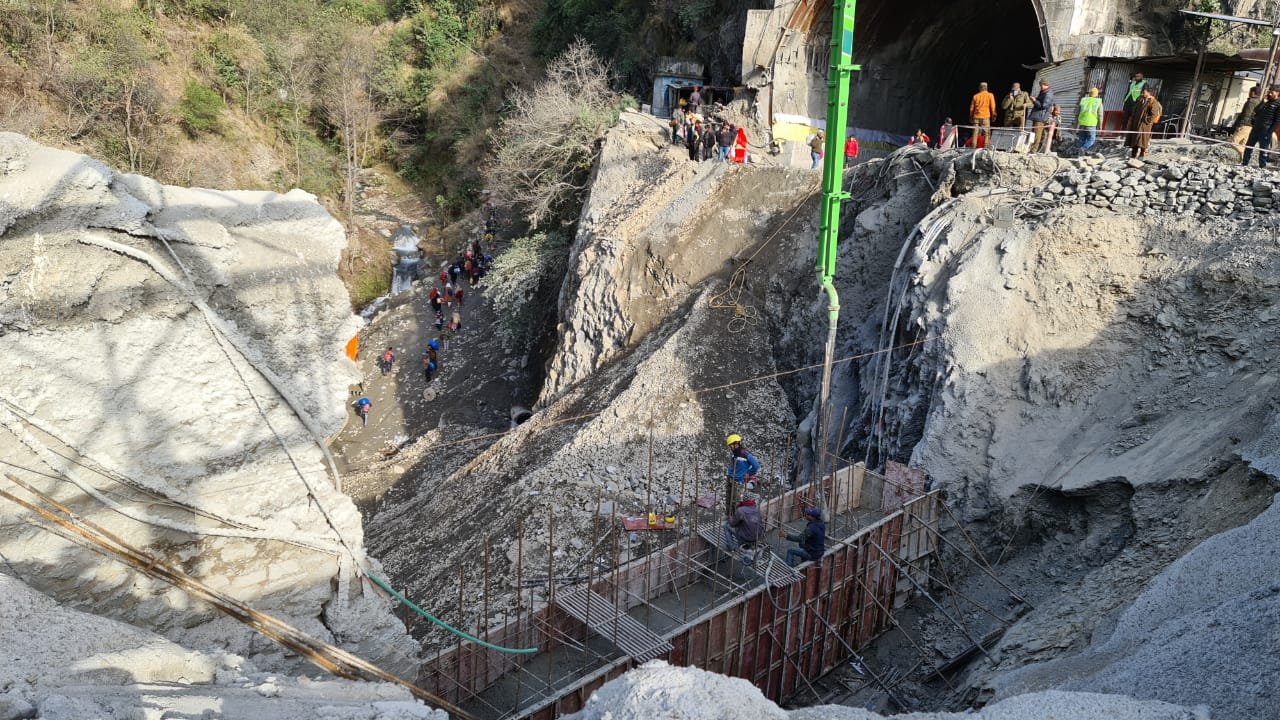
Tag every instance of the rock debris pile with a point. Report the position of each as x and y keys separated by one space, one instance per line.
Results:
x=1187 y=188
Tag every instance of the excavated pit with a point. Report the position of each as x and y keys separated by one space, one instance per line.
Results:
x=1080 y=376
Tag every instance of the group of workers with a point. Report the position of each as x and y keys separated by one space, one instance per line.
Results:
x=743 y=525
x=1257 y=125
x=1141 y=111
x=704 y=141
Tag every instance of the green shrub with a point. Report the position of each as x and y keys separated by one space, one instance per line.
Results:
x=523 y=283
x=200 y=108
x=370 y=12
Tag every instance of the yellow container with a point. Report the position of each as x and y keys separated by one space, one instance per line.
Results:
x=653 y=518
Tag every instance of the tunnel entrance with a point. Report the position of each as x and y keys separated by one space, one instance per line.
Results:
x=922 y=62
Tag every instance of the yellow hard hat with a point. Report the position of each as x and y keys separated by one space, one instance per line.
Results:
x=733 y=439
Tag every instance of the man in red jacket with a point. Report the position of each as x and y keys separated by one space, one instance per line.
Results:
x=850 y=150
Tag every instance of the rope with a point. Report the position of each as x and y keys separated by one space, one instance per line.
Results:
x=587 y=416
x=745 y=315
x=464 y=635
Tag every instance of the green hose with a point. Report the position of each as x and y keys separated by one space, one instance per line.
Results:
x=465 y=636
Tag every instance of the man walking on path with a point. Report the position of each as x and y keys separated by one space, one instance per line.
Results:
x=428 y=364
x=363 y=406
x=813 y=541
x=982 y=108
x=1014 y=107
x=1087 y=119
x=1264 y=118
x=816 y=148
x=1041 y=108
x=1243 y=126
x=387 y=360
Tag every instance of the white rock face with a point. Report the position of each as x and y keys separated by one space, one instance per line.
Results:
x=172 y=360
x=62 y=664
x=657 y=690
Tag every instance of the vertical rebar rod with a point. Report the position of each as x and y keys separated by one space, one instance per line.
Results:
x=617 y=569
x=482 y=627
x=519 y=604
x=770 y=473
x=786 y=461
x=684 y=596
x=551 y=590
x=462 y=622
x=591 y=569
x=648 y=493
x=648 y=569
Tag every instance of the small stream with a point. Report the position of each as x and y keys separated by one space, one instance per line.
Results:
x=408 y=259
x=407 y=269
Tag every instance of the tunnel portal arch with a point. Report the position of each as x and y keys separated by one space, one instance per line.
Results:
x=922 y=62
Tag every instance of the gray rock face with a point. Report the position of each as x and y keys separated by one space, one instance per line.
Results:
x=654 y=226
x=1201 y=633
x=174 y=357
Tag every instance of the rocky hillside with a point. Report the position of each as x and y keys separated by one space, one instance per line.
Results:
x=174 y=365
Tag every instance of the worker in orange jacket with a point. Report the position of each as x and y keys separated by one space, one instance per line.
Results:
x=982 y=109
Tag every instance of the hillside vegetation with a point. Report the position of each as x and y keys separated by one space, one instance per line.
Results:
x=270 y=95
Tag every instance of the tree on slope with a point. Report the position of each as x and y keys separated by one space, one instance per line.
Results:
x=547 y=143
x=348 y=103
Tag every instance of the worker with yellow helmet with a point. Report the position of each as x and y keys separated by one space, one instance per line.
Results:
x=743 y=465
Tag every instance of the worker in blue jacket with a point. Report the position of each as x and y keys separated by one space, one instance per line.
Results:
x=743 y=466
x=742 y=470
x=813 y=541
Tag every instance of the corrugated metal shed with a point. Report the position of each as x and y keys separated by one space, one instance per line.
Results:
x=1066 y=80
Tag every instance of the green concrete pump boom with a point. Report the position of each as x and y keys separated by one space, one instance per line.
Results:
x=842 y=69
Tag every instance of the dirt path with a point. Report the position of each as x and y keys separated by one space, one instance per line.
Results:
x=476 y=385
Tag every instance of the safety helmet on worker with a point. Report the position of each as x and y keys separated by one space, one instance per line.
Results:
x=434 y=344
x=733 y=439
x=813 y=512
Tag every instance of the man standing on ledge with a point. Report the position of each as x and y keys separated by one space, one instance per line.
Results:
x=1015 y=106
x=981 y=110
x=1136 y=84
x=1243 y=126
x=743 y=467
x=1041 y=108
